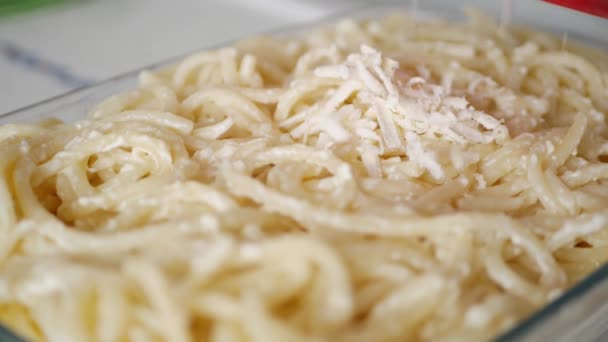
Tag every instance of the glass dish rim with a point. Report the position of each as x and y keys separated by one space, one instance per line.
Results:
x=522 y=328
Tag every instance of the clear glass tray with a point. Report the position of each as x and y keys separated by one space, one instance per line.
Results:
x=581 y=313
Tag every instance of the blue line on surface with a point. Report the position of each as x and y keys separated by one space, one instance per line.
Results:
x=32 y=62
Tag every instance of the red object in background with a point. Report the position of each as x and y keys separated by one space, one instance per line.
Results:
x=594 y=7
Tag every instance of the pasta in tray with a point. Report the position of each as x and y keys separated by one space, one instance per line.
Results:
x=377 y=180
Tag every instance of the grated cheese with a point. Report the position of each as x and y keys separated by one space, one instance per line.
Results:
x=390 y=117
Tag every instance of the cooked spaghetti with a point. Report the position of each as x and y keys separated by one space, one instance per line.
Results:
x=377 y=180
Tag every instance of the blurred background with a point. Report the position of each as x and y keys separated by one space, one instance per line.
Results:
x=48 y=47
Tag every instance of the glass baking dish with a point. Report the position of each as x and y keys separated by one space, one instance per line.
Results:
x=581 y=313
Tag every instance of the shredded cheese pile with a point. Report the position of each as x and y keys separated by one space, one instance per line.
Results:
x=391 y=115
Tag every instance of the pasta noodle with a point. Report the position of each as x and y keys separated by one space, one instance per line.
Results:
x=376 y=180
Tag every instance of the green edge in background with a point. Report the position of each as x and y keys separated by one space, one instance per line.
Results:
x=11 y=7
